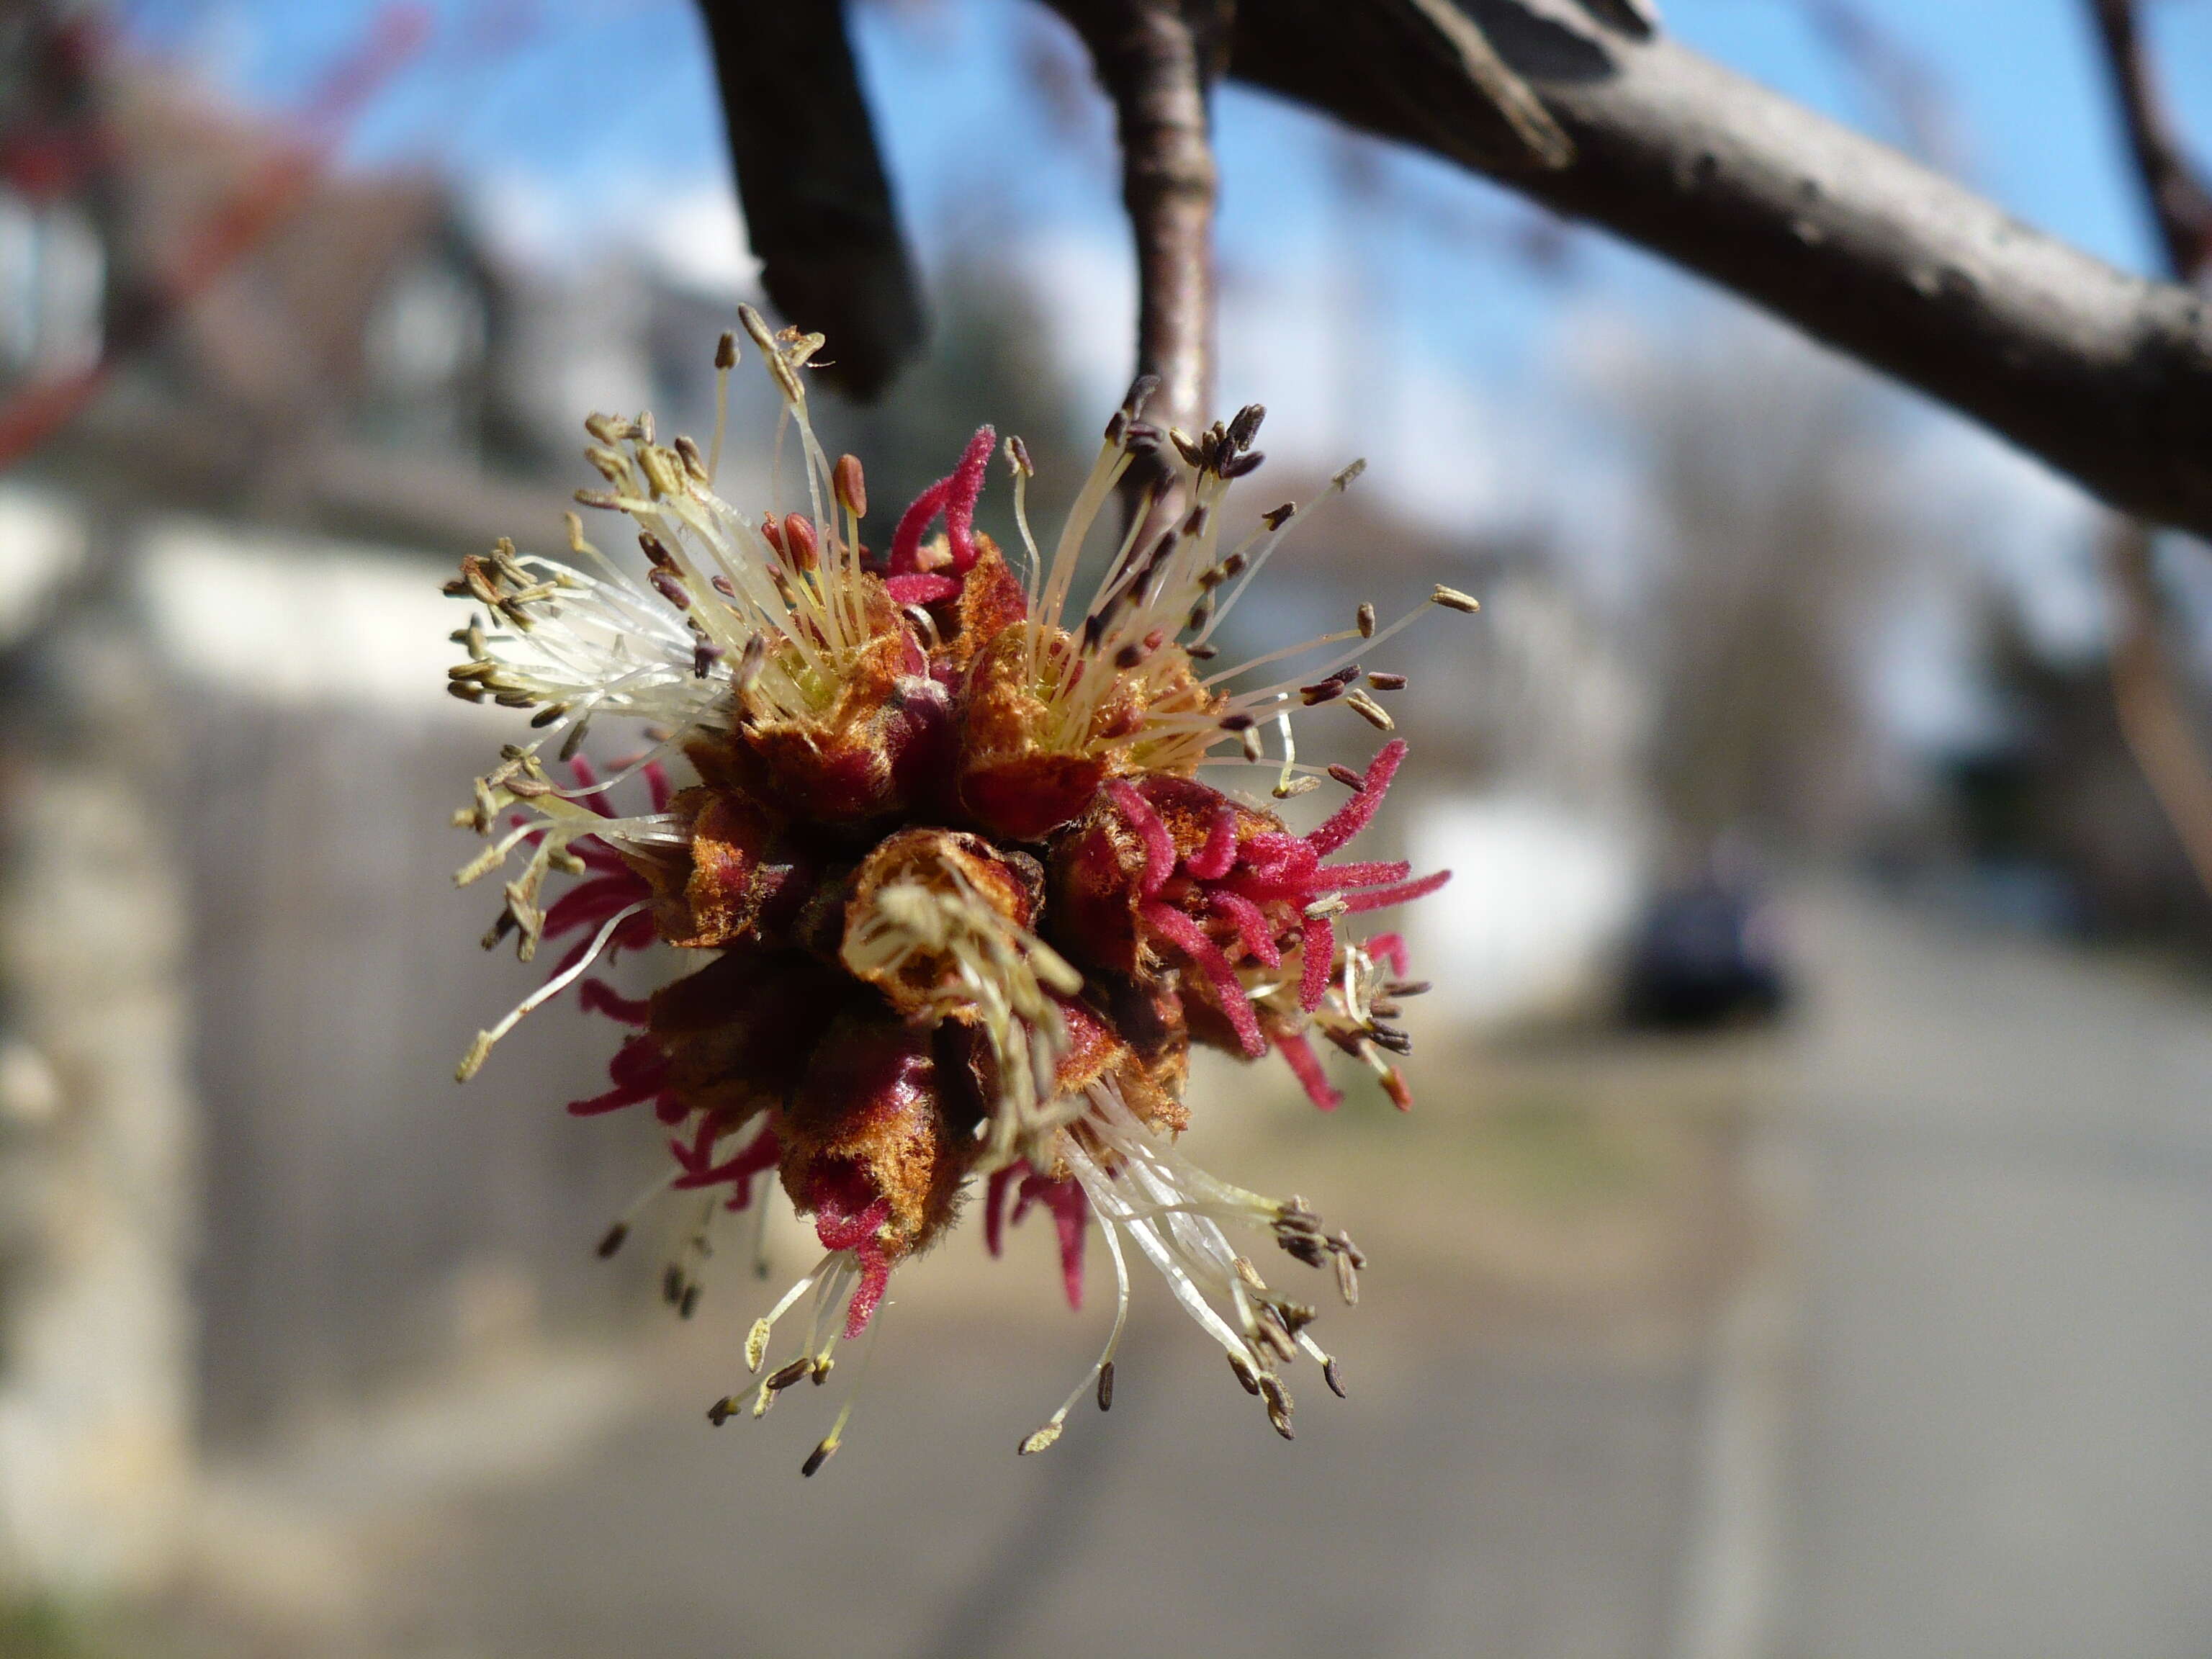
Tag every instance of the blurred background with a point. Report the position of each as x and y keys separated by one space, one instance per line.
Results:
x=1799 y=1246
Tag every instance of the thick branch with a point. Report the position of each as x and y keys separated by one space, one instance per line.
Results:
x=818 y=207
x=2106 y=376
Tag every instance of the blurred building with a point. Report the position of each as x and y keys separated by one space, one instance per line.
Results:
x=236 y=1183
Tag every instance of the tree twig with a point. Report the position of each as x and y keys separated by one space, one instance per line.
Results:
x=1157 y=60
x=2180 y=204
x=2147 y=683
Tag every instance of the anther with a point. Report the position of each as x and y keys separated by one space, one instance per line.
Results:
x=1452 y=599
x=612 y=1240
x=1331 y=1376
x=725 y=350
x=798 y=541
x=850 y=485
x=1371 y=711
x=689 y=1303
x=821 y=1455
x=1106 y=1387
x=1387 y=681
x=1366 y=620
x=1244 y=1373
x=1346 y=776
x=797 y=1371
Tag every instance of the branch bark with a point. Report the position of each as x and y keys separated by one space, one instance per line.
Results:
x=2148 y=686
x=2106 y=376
x=1157 y=60
x=819 y=208
x=2180 y=205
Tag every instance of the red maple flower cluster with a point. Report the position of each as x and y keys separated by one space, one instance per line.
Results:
x=968 y=902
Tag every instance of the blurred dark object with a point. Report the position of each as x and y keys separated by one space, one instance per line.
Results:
x=1705 y=954
x=818 y=208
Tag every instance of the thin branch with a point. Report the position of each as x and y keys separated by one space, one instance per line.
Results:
x=1157 y=60
x=2106 y=376
x=2180 y=204
x=2146 y=683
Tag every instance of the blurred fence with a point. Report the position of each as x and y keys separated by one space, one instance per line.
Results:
x=363 y=1216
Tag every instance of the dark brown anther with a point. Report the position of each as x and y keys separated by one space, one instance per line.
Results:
x=1140 y=393
x=719 y=1413
x=1246 y=426
x=1279 y=1405
x=1347 y=1282
x=689 y=1303
x=797 y=1371
x=1276 y=519
x=1237 y=722
x=612 y=1239
x=656 y=555
x=671 y=1284
x=1319 y=693
x=1116 y=424
x=1242 y=466
x=1332 y=1376
x=1128 y=657
x=724 y=586
x=1346 y=776
x=704 y=655
x=687 y=451
x=725 y=350
x=850 y=485
x=1193 y=453
x=1020 y=452
x=1106 y=1387
x=1406 y=987
x=799 y=542
x=821 y=1455
x=1203 y=653
x=1244 y=1374
x=1390 y=1037
x=670 y=589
